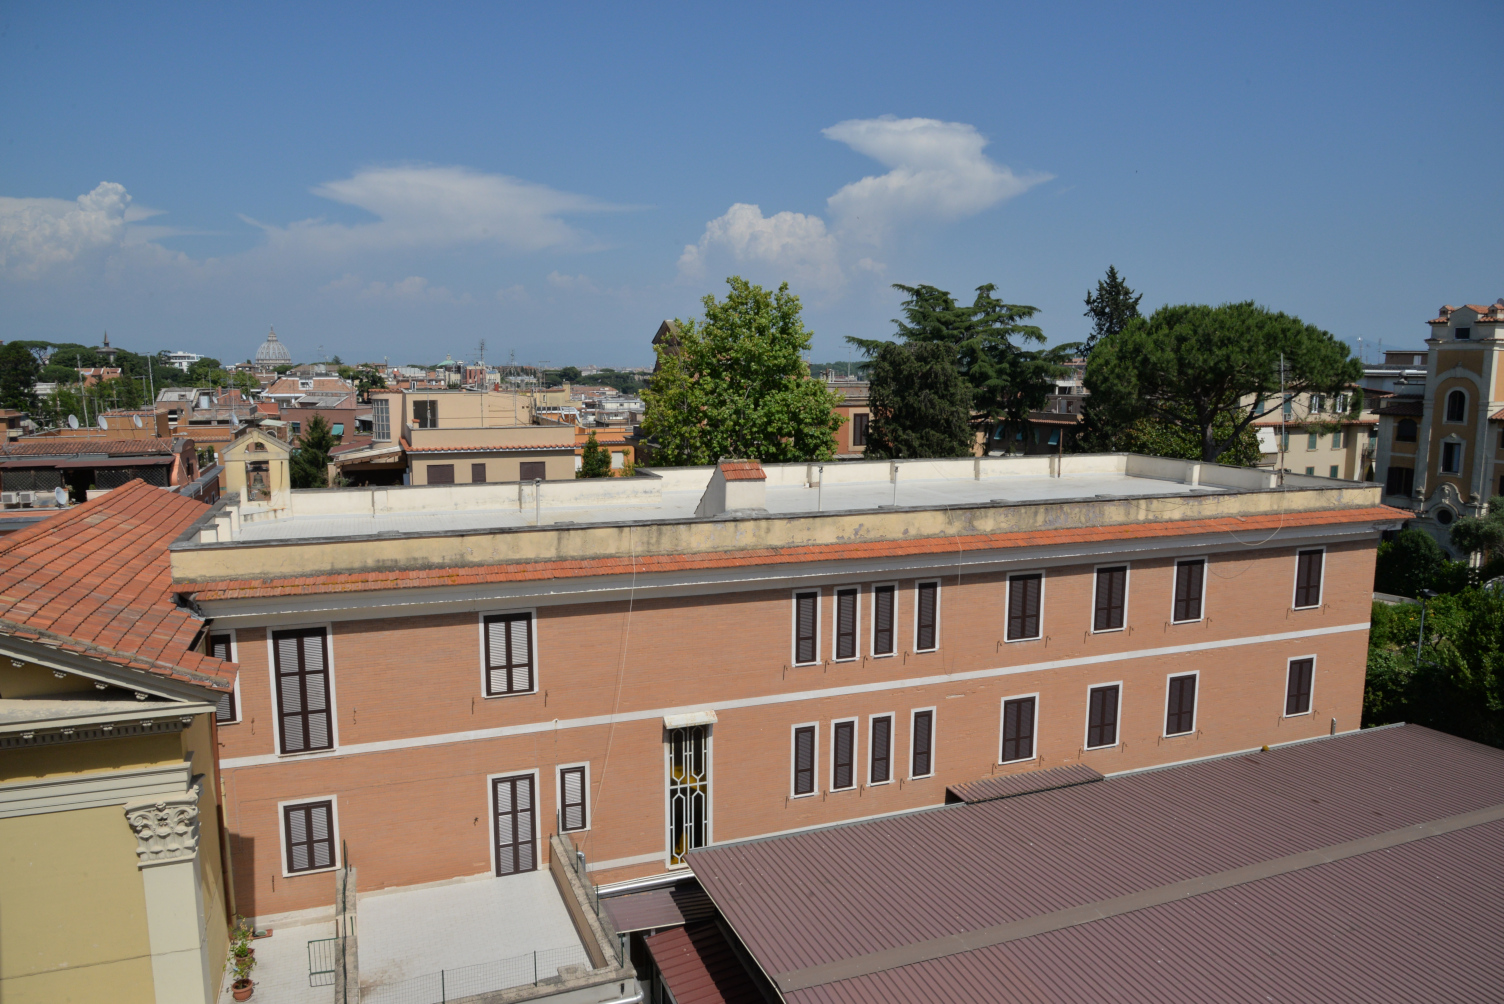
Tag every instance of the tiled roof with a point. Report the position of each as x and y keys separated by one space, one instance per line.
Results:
x=742 y=470
x=96 y=581
x=68 y=446
x=571 y=568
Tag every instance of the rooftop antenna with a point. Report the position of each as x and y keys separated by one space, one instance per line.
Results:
x=1282 y=433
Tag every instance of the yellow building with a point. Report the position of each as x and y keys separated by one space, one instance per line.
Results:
x=111 y=866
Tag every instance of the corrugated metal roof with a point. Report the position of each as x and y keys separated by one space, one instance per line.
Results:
x=1419 y=921
x=1009 y=785
x=700 y=967
x=658 y=908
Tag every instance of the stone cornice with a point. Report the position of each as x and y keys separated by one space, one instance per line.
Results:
x=166 y=826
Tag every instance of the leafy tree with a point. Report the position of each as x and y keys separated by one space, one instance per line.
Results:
x=284 y=368
x=207 y=372
x=919 y=402
x=246 y=382
x=1481 y=533
x=738 y=386
x=53 y=373
x=570 y=374
x=18 y=377
x=595 y=462
x=1191 y=364
x=1412 y=561
x=1110 y=308
x=1155 y=437
x=310 y=460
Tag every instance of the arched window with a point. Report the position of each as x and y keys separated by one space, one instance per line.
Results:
x=1456 y=406
x=1404 y=431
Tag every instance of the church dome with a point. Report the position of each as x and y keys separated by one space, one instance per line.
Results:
x=273 y=352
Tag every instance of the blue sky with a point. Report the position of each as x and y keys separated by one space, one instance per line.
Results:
x=385 y=180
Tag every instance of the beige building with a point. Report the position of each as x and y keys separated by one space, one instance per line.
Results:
x=1317 y=434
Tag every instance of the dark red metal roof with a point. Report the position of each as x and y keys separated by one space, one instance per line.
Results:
x=1420 y=919
x=700 y=968
x=658 y=908
x=1008 y=785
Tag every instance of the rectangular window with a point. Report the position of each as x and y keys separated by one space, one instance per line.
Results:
x=225 y=711
x=477 y=474
x=1102 y=716
x=1399 y=481
x=859 y=428
x=302 y=690
x=1018 y=729
x=1465 y=333
x=297 y=428
x=1180 y=705
x=532 y=470
x=516 y=843
x=806 y=628
x=1308 y=579
x=1298 y=686
x=426 y=414
x=688 y=791
x=1337 y=440
x=572 y=811
x=1333 y=472
x=842 y=755
x=804 y=759
x=1311 y=440
x=1189 y=577
x=509 y=654
x=1024 y=593
x=308 y=833
x=441 y=474
x=926 y=616
x=880 y=741
x=1285 y=440
x=1311 y=471
x=922 y=763
x=381 y=419
x=1112 y=598
x=1451 y=458
x=882 y=619
x=846 y=623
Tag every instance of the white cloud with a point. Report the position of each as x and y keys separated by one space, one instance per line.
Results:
x=576 y=283
x=413 y=289
x=36 y=234
x=797 y=245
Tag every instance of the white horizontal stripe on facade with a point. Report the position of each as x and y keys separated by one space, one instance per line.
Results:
x=531 y=728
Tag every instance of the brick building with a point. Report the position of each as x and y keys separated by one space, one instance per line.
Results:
x=447 y=675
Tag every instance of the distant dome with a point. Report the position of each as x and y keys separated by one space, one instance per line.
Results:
x=272 y=352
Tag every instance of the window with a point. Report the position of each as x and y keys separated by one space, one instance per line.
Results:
x=477 y=474
x=880 y=749
x=804 y=759
x=308 y=836
x=843 y=755
x=509 y=654
x=426 y=414
x=381 y=419
x=1285 y=441
x=1405 y=431
x=882 y=619
x=441 y=474
x=846 y=623
x=1298 y=686
x=1308 y=579
x=512 y=800
x=1311 y=471
x=1451 y=458
x=226 y=709
x=859 y=428
x=1456 y=406
x=1018 y=729
x=1464 y=333
x=1312 y=440
x=1289 y=407
x=1337 y=440
x=1333 y=472
x=1024 y=593
x=618 y=460
x=532 y=470
x=1190 y=577
x=1317 y=403
x=806 y=628
x=574 y=781
x=1111 y=600
x=302 y=690
x=1399 y=481
x=1102 y=716
x=297 y=428
x=1180 y=705
x=926 y=616
x=688 y=791
x=1341 y=406
x=921 y=744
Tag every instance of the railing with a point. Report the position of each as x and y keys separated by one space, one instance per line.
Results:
x=533 y=968
x=593 y=896
x=321 y=956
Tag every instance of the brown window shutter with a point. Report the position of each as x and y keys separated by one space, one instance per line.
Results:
x=1018 y=729
x=509 y=654
x=1180 y=713
x=804 y=760
x=882 y=620
x=882 y=750
x=1023 y=606
x=1188 y=584
x=806 y=611
x=843 y=753
x=1102 y=717
x=533 y=470
x=477 y=474
x=846 y=600
x=516 y=849
x=572 y=799
x=1308 y=579
x=1298 y=687
x=924 y=737
x=309 y=836
x=302 y=690
x=441 y=474
x=224 y=707
x=1112 y=588
x=928 y=594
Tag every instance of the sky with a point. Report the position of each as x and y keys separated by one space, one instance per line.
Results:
x=403 y=181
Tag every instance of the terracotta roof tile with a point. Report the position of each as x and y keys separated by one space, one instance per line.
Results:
x=742 y=470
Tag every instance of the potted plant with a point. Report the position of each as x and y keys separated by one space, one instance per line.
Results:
x=242 y=961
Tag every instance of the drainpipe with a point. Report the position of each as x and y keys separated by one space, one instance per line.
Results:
x=537 y=502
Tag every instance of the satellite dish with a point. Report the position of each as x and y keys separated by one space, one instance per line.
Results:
x=137 y=420
x=103 y=424
x=61 y=494
x=72 y=421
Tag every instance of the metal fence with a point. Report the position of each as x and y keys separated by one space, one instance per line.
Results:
x=321 y=955
x=576 y=861
x=530 y=969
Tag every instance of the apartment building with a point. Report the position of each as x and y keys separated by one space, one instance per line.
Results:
x=1319 y=435
x=446 y=676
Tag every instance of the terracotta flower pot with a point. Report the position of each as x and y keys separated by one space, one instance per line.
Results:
x=241 y=990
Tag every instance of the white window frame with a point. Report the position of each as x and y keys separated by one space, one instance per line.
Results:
x=333 y=801
x=271 y=674
x=1195 y=706
x=1175 y=564
x=1127 y=568
x=538 y=861
x=1002 y=725
x=794 y=624
x=480 y=628
x=835 y=623
x=1044 y=576
x=235 y=658
x=892 y=717
x=1447 y=399
x=934 y=735
x=1086 y=730
x=709 y=794
x=1441 y=459
x=1295 y=584
x=559 y=770
x=856 y=751
x=793 y=759
x=914 y=647
x=1285 y=691
x=872 y=635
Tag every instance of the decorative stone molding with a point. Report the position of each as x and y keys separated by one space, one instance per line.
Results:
x=166 y=827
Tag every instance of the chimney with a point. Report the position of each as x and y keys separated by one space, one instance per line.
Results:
x=735 y=485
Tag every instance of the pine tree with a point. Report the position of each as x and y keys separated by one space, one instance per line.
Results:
x=920 y=404
x=595 y=462
x=1110 y=309
x=310 y=459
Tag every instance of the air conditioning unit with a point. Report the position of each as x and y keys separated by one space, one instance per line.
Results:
x=9 y=499
x=26 y=498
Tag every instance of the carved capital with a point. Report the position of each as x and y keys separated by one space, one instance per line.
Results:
x=166 y=827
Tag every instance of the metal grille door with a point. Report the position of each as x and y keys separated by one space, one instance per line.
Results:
x=688 y=791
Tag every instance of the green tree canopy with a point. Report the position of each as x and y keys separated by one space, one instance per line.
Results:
x=1110 y=308
x=1191 y=365
x=1153 y=436
x=570 y=374
x=595 y=462
x=1412 y=561
x=919 y=403
x=207 y=372
x=18 y=377
x=737 y=385
x=1481 y=533
x=310 y=458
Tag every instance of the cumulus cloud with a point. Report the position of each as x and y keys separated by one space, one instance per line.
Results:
x=794 y=243
x=36 y=234
x=413 y=289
